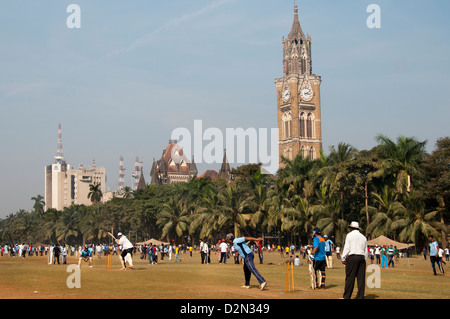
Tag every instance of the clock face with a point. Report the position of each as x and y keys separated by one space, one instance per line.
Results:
x=306 y=94
x=286 y=95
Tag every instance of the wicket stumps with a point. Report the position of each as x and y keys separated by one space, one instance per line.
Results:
x=289 y=276
x=108 y=261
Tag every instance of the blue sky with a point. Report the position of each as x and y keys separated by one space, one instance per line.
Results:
x=136 y=70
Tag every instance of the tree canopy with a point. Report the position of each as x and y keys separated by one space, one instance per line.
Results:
x=395 y=189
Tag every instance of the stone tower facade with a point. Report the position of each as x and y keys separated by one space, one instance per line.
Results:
x=298 y=98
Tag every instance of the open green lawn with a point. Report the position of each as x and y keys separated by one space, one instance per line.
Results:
x=33 y=277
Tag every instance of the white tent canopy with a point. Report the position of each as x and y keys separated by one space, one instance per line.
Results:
x=383 y=240
x=152 y=241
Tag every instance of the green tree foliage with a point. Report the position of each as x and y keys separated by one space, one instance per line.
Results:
x=394 y=189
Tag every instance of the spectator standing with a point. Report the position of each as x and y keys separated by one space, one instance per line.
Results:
x=329 y=245
x=354 y=258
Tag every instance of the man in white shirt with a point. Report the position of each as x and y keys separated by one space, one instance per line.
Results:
x=205 y=251
x=378 y=254
x=354 y=258
x=98 y=251
x=127 y=249
x=202 y=253
x=223 y=252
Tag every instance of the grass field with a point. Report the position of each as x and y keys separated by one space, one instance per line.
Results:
x=33 y=277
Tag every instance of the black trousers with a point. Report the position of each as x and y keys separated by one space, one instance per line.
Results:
x=355 y=268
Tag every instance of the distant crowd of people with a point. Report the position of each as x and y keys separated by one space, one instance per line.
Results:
x=384 y=255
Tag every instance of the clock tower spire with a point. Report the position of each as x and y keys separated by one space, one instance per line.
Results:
x=298 y=98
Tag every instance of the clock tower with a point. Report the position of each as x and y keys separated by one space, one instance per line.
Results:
x=298 y=98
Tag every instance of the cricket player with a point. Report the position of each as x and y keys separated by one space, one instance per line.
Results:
x=127 y=249
x=246 y=253
x=85 y=255
x=319 y=257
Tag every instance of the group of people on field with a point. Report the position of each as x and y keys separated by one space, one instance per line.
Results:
x=354 y=255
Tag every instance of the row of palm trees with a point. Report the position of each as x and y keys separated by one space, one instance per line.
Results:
x=385 y=189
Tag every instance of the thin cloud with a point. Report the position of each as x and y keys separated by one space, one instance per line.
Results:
x=171 y=24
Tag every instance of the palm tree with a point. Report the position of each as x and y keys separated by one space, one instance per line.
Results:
x=49 y=224
x=234 y=206
x=93 y=225
x=300 y=218
x=333 y=175
x=127 y=192
x=66 y=227
x=278 y=203
x=342 y=154
x=401 y=158
x=207 y=215
x=174 y=218
x=299 y=170
x=329 y=216
x=387 y=210
x=39 y=204
x=95 y=193
x=417 y=224
x=258 y=204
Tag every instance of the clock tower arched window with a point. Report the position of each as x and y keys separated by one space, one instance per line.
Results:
x=309 y=126
x=287 y=127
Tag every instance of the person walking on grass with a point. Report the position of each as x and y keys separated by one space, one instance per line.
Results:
x=64 y=254
x=247 y=255
x=205 y=252
x=384 y=253
x=434 y=253
x=56 y=253
x=223 y=252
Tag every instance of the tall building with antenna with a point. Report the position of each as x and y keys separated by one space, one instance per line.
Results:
x=54 y=178
x=121 y=184
x=136 y=174
x=65 y=185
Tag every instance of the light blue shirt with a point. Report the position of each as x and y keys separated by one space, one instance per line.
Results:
x=433 y=248
x=319 y=242
x=241 y=246
x=86 y=253
x=328 y=245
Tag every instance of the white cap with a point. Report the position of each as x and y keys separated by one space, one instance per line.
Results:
x=119 y=234
x=354 y=225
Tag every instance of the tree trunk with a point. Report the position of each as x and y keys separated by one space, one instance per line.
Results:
x=443 y=234
x=366 y=199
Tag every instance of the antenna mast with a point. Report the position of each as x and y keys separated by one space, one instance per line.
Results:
x=136 y=175
x=121 y=175
x=59 y=152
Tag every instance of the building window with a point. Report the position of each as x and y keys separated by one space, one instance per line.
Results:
x=304 y=152
x=286 y=126
x=310 y=126
x=302 y=125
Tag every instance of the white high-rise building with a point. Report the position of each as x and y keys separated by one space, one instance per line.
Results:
x=65 y=185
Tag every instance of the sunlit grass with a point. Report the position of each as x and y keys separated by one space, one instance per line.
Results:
x=33 y=277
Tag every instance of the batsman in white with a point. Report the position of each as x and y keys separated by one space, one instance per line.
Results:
x=127 y=249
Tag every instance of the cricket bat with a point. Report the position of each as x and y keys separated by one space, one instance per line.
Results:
x=112 y=236
x=311 y=271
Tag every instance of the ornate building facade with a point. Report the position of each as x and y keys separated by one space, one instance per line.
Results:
x=298 y=98
x=173 y=166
